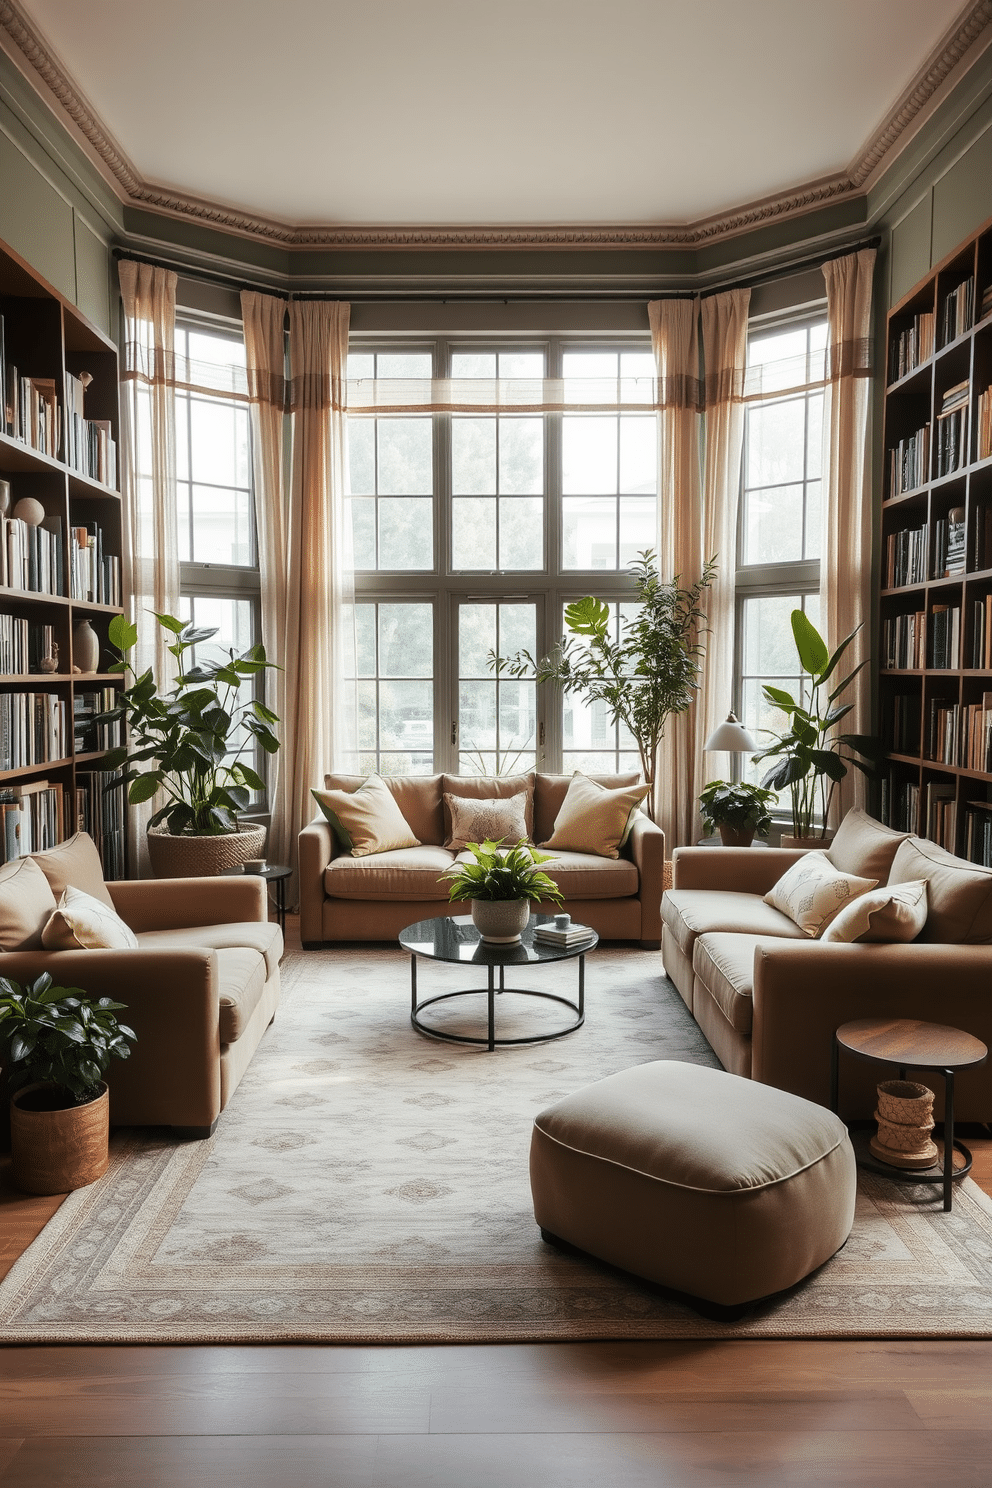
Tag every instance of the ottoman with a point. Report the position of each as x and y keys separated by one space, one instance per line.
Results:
x=696 y=1179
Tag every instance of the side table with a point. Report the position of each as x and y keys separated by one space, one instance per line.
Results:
x=273 y=873
x=911 y=1043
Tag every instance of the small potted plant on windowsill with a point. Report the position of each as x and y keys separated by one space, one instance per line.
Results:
x=501 y=883
x=737 y=809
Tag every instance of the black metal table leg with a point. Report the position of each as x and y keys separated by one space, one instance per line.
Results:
x=413 y=986
x=948 y=1075
x=492 y=1005
x=834 y=1063
x=582 y=987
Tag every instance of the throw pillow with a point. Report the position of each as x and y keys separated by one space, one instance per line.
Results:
x=26 y=901
x=474 y=820
x=594 y=819
x=76 y=863
x=367 y=820
x=863 y=846
x=82 y=923
x=813 y=892
x=959 y=894
x=895 y=913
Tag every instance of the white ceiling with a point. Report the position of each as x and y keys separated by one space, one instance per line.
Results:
x=471 y=112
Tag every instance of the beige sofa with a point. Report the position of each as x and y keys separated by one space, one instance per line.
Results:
x=374 y=897
x=768 y=998
x=200 y=990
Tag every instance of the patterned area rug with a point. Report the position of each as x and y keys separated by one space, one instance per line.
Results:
x=367 y=1184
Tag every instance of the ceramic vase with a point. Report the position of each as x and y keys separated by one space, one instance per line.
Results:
x=85 y=647
x=500 y=921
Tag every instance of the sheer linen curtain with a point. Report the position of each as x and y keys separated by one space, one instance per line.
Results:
x=845 y=568
x=151 y=535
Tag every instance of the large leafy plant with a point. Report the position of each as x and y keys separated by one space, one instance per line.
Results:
x=736 y=804
x=188 y=742
x=644 y=677
x=502 y=873
x=59 y=1035
x=811 y=755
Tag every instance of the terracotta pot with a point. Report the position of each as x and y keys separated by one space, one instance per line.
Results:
x=500 y=921
x=820 y=844
x=53 y=1149
x=202 y=857
x=733 y=837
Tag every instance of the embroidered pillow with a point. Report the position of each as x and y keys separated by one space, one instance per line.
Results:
x=83 y=923
x=26 y=901
x=478 y=820
x=367 y=820
x=894 y=913
x=593 y=818
x=813 y=892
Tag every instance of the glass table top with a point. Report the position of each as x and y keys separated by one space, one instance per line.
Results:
x=455 y=938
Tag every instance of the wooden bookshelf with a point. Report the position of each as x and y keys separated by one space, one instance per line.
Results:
x=935 y=603
x=59 y=442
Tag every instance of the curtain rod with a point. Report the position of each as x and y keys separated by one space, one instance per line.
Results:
x=769 y=277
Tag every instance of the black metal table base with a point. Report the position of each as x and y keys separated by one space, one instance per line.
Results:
x=491 y=992
x=924 y=1175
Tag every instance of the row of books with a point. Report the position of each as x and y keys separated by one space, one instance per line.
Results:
x=960 y=733
x=33 y=729
x=941 y=818
x=980 y=654
x=32 y=557
x=976 y=735
x=900 y=802
x=904 y=641
x=959 y=311
x=949 y=544
x=952 y=430
x=32 y=818
x=905 y=557
x=23 y=643
x=100 y=812
x=901 y=722
x=912 y=346
x=945 y=637
x=944 y=732
x=906 y=550
x=909 y=462
x=981 y=537
x=90 y=446
x=985 y=424
x=31 y=411
x=88 y=735
x=978 y=832
x=94 y=574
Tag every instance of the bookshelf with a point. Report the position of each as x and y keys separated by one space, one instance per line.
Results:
x=935 y=605
x=60 y=566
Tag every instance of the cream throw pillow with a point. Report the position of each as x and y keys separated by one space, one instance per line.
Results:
x=76 y=863
x=26 y=901
x=493 y=820
x=593 y=818
x=813 y=892
x=894 y=913
x=367 y=820
x=82 y=923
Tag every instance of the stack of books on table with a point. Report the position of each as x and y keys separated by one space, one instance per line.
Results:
x=571 y=935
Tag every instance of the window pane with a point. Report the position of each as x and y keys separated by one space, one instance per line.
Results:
x=589 y=533
x=396 y=701
x=773 y=530
x=521 y=364
x=406 y=539
x=638 y=527
x=361 y=457
x=405 y=459
x=476 y=638
x=473 y=364
x=406 y=641
x=776 y=442
x=365 y=639
x=814 y=437
x=521 y=534
x=521 y=456
x=589 y=455
x=222 y=525
x=363 y=531
x=473 y=457
x=473 y=533
x=404 y=364
x=638 y=456
x=219 y=434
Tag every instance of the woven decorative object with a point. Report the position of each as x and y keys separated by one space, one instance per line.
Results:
x=905 y=1121
x=55 y=1151
x=203 y=857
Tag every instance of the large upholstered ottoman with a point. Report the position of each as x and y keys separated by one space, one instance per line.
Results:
x=696 y=1179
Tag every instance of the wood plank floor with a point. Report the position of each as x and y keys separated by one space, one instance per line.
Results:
x=609 y=1415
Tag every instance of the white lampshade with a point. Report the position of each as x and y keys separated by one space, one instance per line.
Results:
x=731 y=737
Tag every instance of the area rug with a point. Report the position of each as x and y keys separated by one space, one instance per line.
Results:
x=367 y=1184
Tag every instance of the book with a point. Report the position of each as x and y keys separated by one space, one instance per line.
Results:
x=573 y=935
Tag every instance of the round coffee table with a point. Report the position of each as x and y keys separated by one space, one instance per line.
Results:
x=911 y=1043
x=454 y=938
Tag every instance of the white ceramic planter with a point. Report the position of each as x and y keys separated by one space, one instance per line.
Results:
x=500 y=921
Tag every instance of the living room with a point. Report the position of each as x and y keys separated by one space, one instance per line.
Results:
x=519 y=410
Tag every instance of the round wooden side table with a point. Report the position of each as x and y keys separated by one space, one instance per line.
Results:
x=911 y=1043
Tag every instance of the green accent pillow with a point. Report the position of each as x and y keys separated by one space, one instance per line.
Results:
x=367 y=820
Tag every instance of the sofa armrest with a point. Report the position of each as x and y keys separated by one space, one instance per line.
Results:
x=646 y=845
x=317 y=846
x=805 y=990
x=741 y=870
x=178 y=903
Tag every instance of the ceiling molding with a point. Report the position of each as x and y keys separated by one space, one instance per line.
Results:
x=44 y=69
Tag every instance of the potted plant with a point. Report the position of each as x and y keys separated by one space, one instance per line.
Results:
x=737 y=809
x=501 y=883
x=650 y=673
x=188 y=743
x=811 y=755
x=57 y=1044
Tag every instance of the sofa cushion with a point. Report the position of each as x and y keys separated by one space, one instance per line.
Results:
x=75 y=863
x=486 y=819
x=82 y=922
x=241 y=979
x=594 y=818
x=367 y=820
x=26 y=904
x=259 y=936
x=863 y=846
x=692 y=912
x=586 y=875
x=813 y=892
x=725 y=966
x=404 y=873
x=959 y=894
x=550 y=792
x=893 y=914
x=488 y=788
x=417 y=796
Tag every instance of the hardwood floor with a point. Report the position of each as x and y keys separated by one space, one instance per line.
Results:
x=607 y=1415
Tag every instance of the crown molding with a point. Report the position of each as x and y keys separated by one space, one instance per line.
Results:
x=45 y=71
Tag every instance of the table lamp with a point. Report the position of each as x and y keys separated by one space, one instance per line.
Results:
x=731 y=737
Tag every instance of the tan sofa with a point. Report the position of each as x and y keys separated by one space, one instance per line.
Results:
x=768 y=998
x=200 y=990
x=374 y=897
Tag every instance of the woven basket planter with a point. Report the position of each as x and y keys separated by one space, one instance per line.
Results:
x=202 y=857
x=54 y=1151
x=905 y=1121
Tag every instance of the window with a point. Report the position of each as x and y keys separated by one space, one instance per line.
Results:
x=778 y=566
x=473 y=530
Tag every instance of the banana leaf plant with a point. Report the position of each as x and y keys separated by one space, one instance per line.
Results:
x=188 y=742
x=812 y=757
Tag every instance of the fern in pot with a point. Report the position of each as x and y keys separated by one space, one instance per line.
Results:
x=501 y=884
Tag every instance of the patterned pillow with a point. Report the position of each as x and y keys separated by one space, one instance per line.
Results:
x=895 y=913
x=813 y=892
x=82 y=923
x=476 y=820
